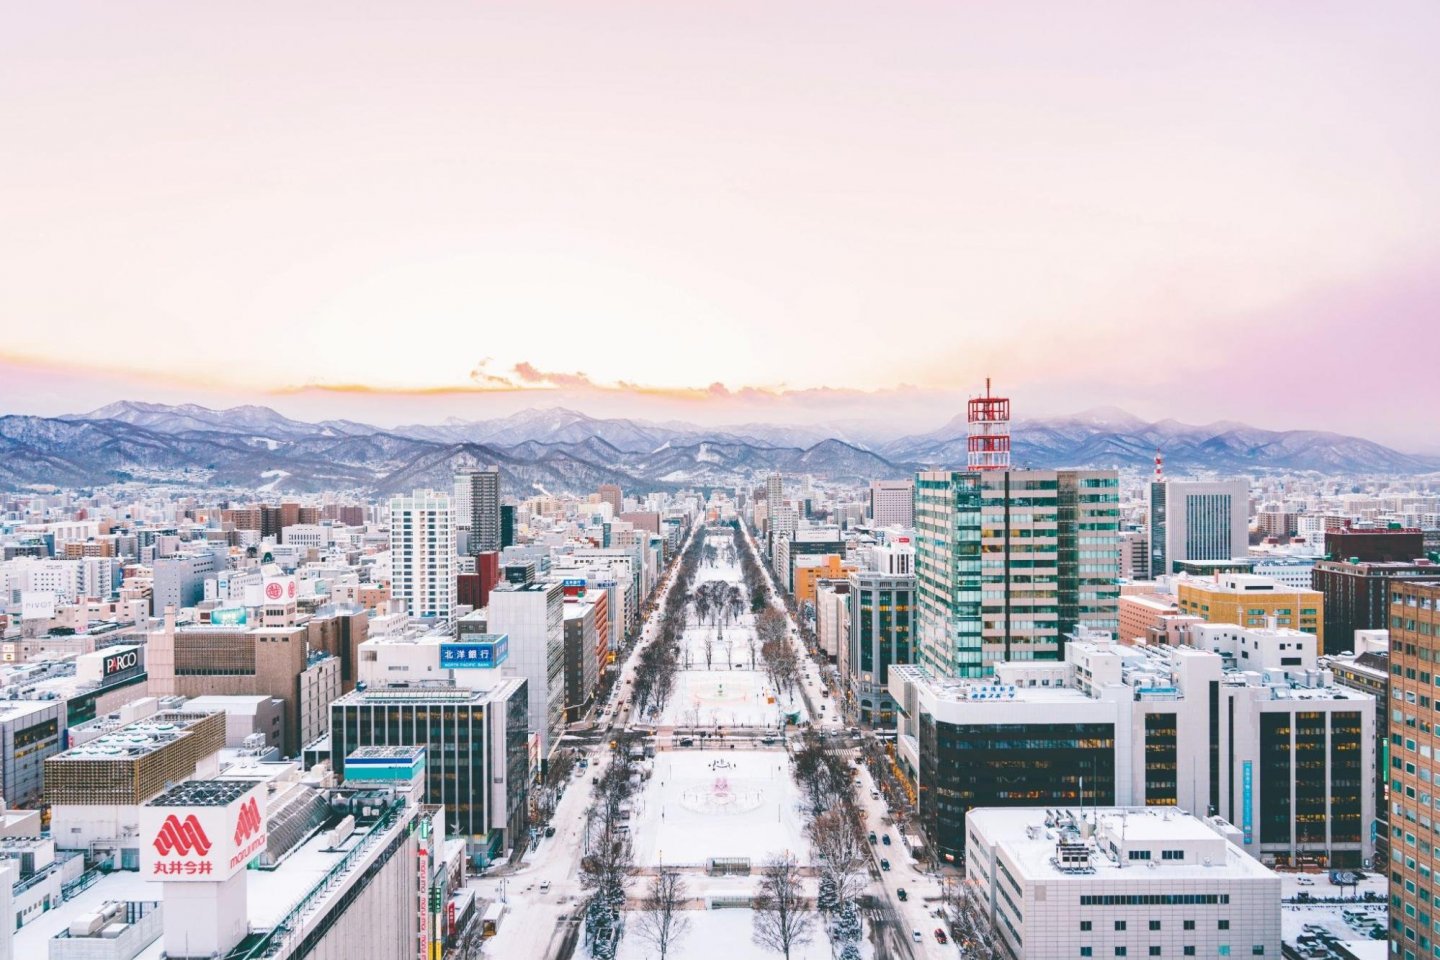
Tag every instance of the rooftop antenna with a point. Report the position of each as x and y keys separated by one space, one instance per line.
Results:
x=988 y=445
x=1159 y=467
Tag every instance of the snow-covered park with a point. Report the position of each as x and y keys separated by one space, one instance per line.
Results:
x=718 y=803
x=726 y=935
x=729 y=688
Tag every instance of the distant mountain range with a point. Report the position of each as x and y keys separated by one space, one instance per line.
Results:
x=559 y=450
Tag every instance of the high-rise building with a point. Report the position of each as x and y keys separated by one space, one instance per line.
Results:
x=533 y=614
x=1357 y=595
x=774 y=494
x=892 y=503
x=476 y=743
x=422 y=554
x=611 y=494
x=882 y=619
x=1197 y=520
x=1009 y=562
x=484 y=501
x=1414 y=611
x=1243 y=724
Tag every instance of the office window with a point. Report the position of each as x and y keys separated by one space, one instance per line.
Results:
x=1119 y=924
x=1086 y=925
x=1189 y=924
x=1087 y=952
x=1154 y=951
x=1224 y=925
x=1154 y=924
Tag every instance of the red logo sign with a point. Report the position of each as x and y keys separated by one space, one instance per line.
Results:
x=182 y=836
x=248 y=822
x=273 y=591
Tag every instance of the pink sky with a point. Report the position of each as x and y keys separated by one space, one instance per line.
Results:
x=833 y=209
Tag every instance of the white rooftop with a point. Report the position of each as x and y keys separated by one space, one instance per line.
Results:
x=1031 y=844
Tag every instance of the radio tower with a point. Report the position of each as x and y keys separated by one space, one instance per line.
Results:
x=1159 y=467
x=988 y=445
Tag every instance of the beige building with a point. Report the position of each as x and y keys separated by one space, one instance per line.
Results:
x=1251 y=601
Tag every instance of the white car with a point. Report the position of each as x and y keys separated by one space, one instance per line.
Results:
x=545 y=886
x=917 y=936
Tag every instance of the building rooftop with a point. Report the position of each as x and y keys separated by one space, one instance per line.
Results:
x=203 y=793
x=309 y=878
x=121 y=741
x=1100 y=840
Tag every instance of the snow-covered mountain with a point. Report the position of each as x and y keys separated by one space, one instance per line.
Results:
x=564 y=450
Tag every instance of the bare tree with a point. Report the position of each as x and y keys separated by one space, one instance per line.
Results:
x=783 y=919
x=972 y=928
x=841 y=852
x=661 y=919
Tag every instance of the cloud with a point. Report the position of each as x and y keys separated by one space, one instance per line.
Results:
x=534 y=376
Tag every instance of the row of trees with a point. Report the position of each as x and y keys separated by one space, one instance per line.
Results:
x=606 y=864
x=777 y=653
x=756 y=585
x=658 y=661
x=836 y=828
x=718 y=601
x=608 y=856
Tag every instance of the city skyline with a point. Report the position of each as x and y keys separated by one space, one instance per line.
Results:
x=1166 y=211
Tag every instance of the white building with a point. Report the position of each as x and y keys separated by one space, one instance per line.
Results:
x=533 y=615
x=1137 y=882
x=1197 y=520
x=892 y=503
x=422 y=554
x=1249 y=729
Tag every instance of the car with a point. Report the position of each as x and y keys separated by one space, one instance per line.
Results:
x=884 y=864
x=874 y=794
x=940 y=936
x=544 y=886
x=1305 y=881
x=917 y=936
x=885 y=839
x=686 y=742
x=872 y=837
x=549 y=831
x=900 y=892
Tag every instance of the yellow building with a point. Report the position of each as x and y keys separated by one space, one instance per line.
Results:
x=1249 y=601
x=812 y=568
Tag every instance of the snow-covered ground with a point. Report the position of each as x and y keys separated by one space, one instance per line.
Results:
x=718 y=803
x=724 y=935
x=731 y=691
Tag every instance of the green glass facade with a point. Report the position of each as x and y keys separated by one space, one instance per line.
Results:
x=1008 y=563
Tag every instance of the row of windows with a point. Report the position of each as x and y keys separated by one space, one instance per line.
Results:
x=1120 y=925
x=1152 y=899
x=1258 y=950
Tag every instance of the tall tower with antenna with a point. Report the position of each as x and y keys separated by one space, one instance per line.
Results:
x=1159 y=467
x=988 y=445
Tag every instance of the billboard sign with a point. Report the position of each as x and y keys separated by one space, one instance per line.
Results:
x=574 y=587
x=229 y=617
x=280 y=590
x=191 y=843
x=475 y=654
x=119 y=660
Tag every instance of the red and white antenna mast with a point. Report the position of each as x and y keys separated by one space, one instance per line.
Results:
x=988 y=445
x=1159 y=467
